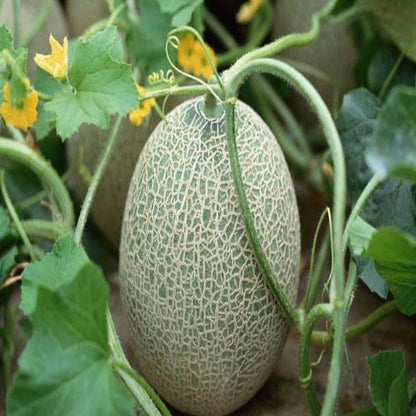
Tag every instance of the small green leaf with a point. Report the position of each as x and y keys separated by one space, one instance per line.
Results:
x=180 y=10
x=394 y=254
x=392 y=150
x=360 y=233
x=397 y=19
x=388 y=383
x=147 y=38
x=102 y=86
x=7 y=261
x=66 y=367
x=56 y=269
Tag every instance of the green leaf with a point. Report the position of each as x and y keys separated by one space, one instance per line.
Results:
x=356 y=122
x=147 y=38
x=393 y=202
x=360 y=233
x=394 y=254
x=56 y=269
x=388 y=383
x=7 y=261
x=397 y=19
x=102 y=86
x=180 y=10
x=66 y=367
x=392 y=150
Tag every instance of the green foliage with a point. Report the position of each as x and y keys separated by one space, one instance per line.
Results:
x=397 y=20
x=146 y=40
x=394 y=254
x=393 y=202
x=56 y=269
x=66 y=366
x=392 y=150
x=180 y=10
x=388 y=383
x=102 y=86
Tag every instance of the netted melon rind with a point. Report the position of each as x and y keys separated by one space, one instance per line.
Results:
x=205 y=327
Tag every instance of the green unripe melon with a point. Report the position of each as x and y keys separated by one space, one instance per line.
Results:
x=333 y=52
x=205 y=326
x=83 y=13
x=54 y=23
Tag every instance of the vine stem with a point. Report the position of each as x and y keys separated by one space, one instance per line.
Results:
x=234 y=78
x=142 y=382
x=291 y=40
x=305 y=368
x=96 y=179
x=314 y=278
x=361 y=327
x=255 y=243
x=365 y=194
x=20 y=153
x=258 y=37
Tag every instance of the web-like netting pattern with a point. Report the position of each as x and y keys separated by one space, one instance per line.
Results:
x=206 y=329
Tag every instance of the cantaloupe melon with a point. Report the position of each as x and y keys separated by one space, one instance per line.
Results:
x=333 y=52
x=205 y=326
x=54 y=23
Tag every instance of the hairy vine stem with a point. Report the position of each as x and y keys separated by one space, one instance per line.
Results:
x=233 y=78
x=305 y=368
x=96 y=179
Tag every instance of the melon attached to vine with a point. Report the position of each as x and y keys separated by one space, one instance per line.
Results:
x=205 y=326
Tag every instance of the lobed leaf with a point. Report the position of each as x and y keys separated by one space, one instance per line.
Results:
x=66 y=367
x=102 y=85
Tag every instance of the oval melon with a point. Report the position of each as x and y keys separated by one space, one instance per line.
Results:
x=333 y=52
x=54 y=23
x=204 y=324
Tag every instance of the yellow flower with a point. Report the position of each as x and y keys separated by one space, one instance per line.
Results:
x=192 y=58
x=248 y=10
x=202 y=67
x=22 y=115
x=56 y=63
x=137 y=116
x=186 y=52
